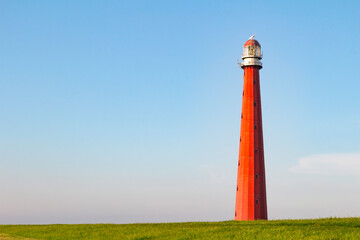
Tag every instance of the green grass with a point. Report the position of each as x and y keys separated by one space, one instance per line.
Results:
x=329 y=228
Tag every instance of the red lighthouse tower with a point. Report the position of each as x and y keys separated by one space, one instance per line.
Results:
x=251 y=190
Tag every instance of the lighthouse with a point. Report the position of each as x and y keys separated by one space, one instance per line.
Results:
x=251 y=189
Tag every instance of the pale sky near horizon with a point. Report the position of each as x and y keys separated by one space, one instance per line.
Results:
x=129 y=111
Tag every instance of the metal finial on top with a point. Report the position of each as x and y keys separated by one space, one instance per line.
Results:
x=252 y=36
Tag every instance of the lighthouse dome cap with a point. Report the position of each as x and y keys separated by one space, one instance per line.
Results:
x=252 y=42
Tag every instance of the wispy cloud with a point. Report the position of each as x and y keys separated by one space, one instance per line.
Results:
x=329 y=164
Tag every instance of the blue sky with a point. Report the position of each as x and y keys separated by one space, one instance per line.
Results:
x=129 y=111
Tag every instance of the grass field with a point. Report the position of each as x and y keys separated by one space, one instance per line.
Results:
x=329 y=228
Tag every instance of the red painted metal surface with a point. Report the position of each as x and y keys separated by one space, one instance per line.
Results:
x=251 y=188
x=251 y=42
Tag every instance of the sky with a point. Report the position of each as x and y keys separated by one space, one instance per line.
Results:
x=129 y=111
